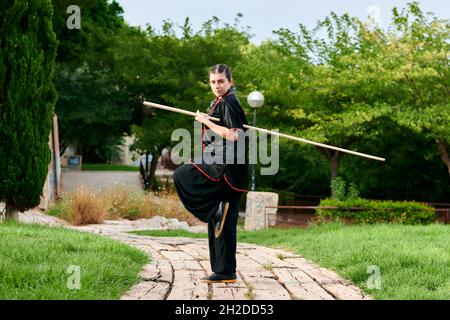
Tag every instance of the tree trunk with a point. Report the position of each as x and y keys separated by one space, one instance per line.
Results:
x=334 y=164
x=442 y=145
x=153 y=165
x=11 y=213
x=333 y=158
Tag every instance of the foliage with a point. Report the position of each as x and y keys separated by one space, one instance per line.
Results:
x=412 y=171
x=96 y=106
x=338 y=102
x=301 y=170
x=27 y=99
x=177 y=75
x=339 y=190
x=372 y=211
x=420 y=52
x=352 y=88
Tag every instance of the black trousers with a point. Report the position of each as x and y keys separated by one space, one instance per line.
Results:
x=201 y=196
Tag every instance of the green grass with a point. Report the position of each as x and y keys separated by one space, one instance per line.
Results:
x=36 y=260
x=414 y=261
x=108 y=167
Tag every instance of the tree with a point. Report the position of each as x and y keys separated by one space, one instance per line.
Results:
x=98 y=97
x=419 y=47
x=27 y=98
x=176 y=74
x=413 y=170
x=323 y=89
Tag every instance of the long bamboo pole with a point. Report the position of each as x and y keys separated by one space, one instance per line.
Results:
x=193 y=114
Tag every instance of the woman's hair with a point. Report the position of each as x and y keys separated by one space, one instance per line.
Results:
x=221 y=68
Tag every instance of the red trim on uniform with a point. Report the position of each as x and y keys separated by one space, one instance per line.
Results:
x=218 y=179
x=234 y=188
x=210 y=178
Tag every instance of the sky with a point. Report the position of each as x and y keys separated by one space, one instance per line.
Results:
x=264 y=16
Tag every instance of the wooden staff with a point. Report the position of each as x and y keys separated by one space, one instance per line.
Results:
x=193 y=114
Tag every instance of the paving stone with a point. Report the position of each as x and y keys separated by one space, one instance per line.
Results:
x=268 y=258
x=300 y=285
x=330 y=281
x=158 y=246
x=196 y=251
x=176 y=255
x=186 y=265
x=206 y=265
x=175 y=241
x=187 y=286
x=260 y=281
x=232 y=291
x=159 y=264
x=148 y=290
x=151 y=272
x=158 y=292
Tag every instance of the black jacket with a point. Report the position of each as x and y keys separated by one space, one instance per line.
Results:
x=224 y=159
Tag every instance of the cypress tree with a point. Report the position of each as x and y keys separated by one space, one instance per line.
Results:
x=27 y=98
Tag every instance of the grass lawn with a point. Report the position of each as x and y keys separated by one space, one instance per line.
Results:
x=36 y=260
x=108 y=167
x=414 y=261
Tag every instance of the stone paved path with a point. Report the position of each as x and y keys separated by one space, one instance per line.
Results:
x=178 y=264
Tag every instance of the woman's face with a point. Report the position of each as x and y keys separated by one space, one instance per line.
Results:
x=219 y=84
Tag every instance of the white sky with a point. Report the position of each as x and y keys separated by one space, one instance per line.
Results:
x=263 y=16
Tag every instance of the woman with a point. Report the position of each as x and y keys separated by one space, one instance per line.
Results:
x=212 y=190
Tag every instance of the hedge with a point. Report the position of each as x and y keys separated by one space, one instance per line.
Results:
x=373 y=211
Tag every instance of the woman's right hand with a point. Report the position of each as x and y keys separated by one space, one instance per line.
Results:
x=201 y=117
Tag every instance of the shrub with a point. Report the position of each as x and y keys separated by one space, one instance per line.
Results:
x=168 y=205
x=339 y=190
x=373 y=211
x=353 y=192
x=86 y=206
x=80 y=207
x=123 y=203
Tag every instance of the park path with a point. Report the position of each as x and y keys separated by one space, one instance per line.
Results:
x=178 y=264
x=72 y=179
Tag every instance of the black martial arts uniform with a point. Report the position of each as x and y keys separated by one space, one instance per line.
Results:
x=202 y=186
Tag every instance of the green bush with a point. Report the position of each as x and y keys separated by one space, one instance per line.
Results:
x=339 y=190
x=373 y=211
